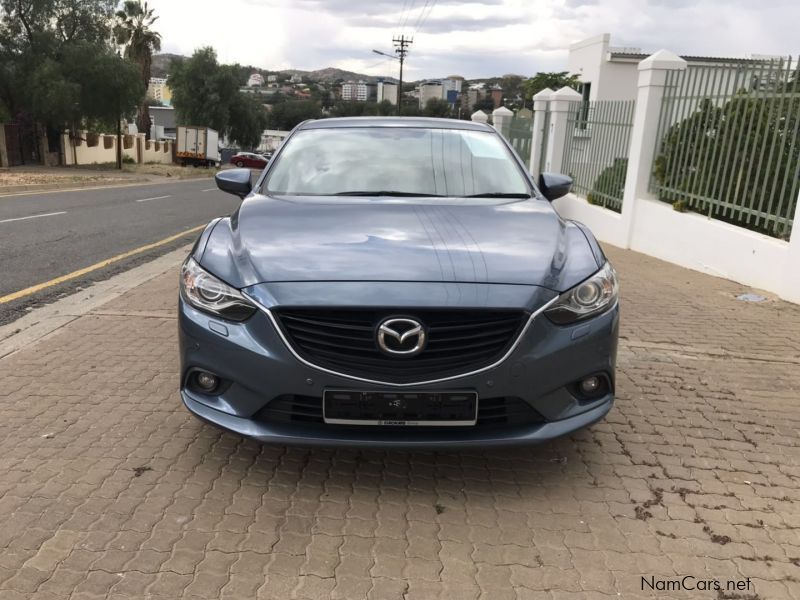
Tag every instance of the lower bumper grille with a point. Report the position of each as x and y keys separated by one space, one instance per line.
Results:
x=492 y=412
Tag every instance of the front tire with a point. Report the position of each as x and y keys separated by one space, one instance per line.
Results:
x=239 y=164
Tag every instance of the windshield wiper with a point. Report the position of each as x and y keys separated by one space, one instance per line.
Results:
x=498 y=195
x=387 y=193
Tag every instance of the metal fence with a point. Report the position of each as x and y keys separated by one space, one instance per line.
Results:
x=728 y=143
x=596 y=150
x=520 y=135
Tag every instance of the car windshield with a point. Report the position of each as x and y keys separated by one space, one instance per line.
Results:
x=395 y=161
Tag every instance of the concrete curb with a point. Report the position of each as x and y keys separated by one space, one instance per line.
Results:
x=42 y=322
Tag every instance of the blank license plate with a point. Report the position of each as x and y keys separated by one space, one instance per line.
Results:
x=353 y=407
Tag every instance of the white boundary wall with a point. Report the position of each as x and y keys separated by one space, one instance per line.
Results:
x=697 y=242
x=80 y=153
x=654 y=228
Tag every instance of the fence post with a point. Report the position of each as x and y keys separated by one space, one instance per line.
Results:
x=501 y=119
x=792 y=270
x=540 y=101
x=479 y=116
x=641 y=151
x=561 y=102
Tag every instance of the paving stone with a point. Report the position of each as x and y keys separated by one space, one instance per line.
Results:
x=696 y=471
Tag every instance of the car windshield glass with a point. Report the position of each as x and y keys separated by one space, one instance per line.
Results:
x=400 y=161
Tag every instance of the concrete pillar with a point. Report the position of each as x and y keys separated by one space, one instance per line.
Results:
x=501 y=119
x=652 y=78
x=791 y=276
x=540 y=104
x=479 y=116
x=139 y=139
x=561 y=102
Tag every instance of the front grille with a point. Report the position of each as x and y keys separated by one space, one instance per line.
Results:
x=492 y=412
x=344 y=340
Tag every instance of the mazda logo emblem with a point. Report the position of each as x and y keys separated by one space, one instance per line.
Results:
x=401 y=336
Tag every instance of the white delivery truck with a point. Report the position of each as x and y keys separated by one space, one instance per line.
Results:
x=197 y=146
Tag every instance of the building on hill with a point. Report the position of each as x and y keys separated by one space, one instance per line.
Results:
x=272 y=78
x=429 y=90
x=158 y=90
x=358 y=91
x=296 y=78
x=497 y=95
x=452 y=83
x=386 y=90
x=255 y=80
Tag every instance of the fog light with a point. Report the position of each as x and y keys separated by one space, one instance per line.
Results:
x=590 y=385
x=206 y=381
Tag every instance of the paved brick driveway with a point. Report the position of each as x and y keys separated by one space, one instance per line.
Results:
x=108 y=488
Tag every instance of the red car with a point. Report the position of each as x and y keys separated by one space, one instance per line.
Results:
x=249 y=159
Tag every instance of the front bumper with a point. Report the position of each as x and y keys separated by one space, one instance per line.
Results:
x=257 y=368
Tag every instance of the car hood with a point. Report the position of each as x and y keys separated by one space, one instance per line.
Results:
x=302 y=239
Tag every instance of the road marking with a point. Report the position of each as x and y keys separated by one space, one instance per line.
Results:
x=154 y=198
x=103 y=263
x=210 y=190
x=101 y=187
x=62 y=212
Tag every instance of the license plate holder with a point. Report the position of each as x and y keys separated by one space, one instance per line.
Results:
x=393 y=408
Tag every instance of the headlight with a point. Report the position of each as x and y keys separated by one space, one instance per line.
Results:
x=207 y=293
x=588 y=298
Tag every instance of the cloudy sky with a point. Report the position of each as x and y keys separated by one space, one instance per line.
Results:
x=473 y=38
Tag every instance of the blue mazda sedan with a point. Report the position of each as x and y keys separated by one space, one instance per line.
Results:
x=397 y=282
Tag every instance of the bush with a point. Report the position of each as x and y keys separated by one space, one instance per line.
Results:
x=609 y=187
x=730 y=162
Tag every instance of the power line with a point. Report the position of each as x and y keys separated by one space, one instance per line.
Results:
x=422 y=12
x=402 y=12
x=408 y=13
x=421 y=23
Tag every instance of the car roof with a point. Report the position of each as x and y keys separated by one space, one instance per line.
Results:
x=417 y=122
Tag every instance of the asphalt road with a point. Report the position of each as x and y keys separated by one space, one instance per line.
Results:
x=44 y=236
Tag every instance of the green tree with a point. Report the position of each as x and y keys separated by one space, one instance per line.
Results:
x=410 y=110
x=287 y=115
x=436 y=107
x=203 y=90
x=57 y=64
x=347 y=108
x=248 y=120
x=134 y=30
x=554 y=81
x=512 y=85
x=206 y=93
x=486 y=104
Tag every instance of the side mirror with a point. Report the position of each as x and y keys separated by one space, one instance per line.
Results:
x=234 y=181
x=554 y=185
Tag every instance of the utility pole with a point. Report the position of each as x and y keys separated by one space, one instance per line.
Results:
x=401 y=45
x=119 y=136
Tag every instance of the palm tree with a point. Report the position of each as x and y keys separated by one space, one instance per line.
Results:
x=133 y=29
